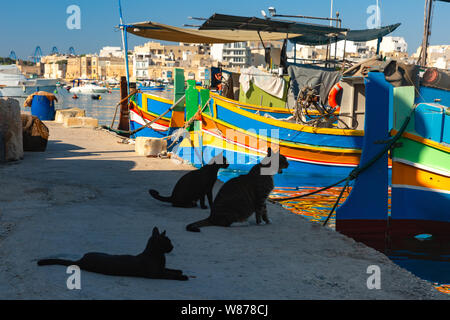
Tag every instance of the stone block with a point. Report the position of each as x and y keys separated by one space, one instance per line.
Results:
x=62 y=114
x=150 y=147
x=11 y=129
x=80 y=122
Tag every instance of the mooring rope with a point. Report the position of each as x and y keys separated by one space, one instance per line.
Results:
x=120 y=102
x=355 y=172
x=147 y=124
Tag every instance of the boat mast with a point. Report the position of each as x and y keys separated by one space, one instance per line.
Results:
x=426 y=33
x=125 y=45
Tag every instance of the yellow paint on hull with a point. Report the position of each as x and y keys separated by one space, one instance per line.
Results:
x=404 y=174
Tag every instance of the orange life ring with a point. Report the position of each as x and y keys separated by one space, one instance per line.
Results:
x=332 y=96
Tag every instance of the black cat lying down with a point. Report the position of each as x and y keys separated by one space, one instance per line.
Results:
x=195 y=185
x=149 y=264
x=241 y=196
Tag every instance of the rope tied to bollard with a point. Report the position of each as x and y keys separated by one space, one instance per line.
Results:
x=147 y=125
x=120 y=102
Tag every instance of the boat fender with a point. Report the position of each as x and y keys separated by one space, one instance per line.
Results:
x=332 y=96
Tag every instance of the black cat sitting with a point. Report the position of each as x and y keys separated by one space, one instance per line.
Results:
x=241 y=196
x=195 y=185
x=149 y=264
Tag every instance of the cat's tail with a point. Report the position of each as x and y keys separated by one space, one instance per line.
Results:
x=195 y=227
x=48 y=262
x=155 y=194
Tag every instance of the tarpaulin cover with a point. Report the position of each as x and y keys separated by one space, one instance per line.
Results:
x=154 y=30
x=220 y=28
x=228 y=22
x=352 y=35
x=311 y=34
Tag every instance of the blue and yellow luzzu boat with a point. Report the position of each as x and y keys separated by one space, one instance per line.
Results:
x=420 y=183
x=240 y=130
x=230 y=127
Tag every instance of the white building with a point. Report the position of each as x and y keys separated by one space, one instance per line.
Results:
x=217 y=52
x=141 y=62
x=441 y=63
x=390 y=44
x=237 y=54
x=356 y=49
x=438 y=56
x=142 y=59
x=116 y=52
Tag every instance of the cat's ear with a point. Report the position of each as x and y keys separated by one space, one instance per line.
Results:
x=164 y=233
x=155 y=231
x=216 y=159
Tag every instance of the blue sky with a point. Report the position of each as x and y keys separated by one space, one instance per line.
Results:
x=25 y=24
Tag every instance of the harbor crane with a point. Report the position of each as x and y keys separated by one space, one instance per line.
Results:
x=37 y=54
x=12 y=55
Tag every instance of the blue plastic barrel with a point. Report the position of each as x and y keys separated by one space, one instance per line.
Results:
x=42 y=108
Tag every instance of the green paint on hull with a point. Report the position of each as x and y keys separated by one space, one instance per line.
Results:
x=178 y=88
x=191 y=99
x=422 y=154
x=204 y=97
x=403 y=107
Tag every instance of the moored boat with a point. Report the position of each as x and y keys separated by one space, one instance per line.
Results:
x=88 y=89
x=320 y=144
x=418 y=117
x=420 y=173
x=14 y=84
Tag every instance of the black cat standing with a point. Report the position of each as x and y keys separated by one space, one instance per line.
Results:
x=241 y=196
x=195 y=185
x=149 y=264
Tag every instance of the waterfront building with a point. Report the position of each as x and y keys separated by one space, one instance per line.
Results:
x=235 y=55
x=107 y=52
x=438 y=56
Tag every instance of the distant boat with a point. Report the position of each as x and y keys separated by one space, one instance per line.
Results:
x=152 y=86
x=14 y=84
x=88 y=89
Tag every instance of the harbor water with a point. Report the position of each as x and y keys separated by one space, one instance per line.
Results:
x=102 y=109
